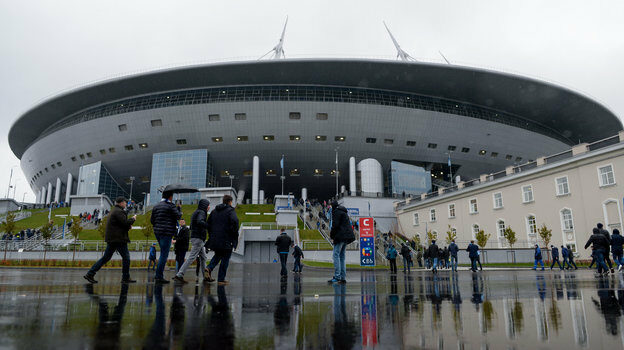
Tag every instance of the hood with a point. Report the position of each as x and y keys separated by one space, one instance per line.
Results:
x=203 y=204
x=595 y=231
x=341 y=208
x=222 y=206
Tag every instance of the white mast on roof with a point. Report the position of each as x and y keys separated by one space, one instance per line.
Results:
x=401 y=54
x=278 y=50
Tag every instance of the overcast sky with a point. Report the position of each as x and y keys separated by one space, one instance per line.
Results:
x=50 y=46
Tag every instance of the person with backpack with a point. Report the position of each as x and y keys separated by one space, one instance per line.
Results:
x=616 y=248
x=406 y=253
x=434 y=255
x=571 y=257
x=341 y=234
x=391 y=256
x=555 y=257
x=298 y=255
x=283 y=242
x=538 y=257
x=453 y=249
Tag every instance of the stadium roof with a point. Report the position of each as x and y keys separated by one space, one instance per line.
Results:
x=571 y=114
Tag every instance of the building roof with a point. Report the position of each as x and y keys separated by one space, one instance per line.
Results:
x=571 y=114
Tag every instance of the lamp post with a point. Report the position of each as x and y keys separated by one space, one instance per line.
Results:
x=450 y=167
x=10 y=179
x=336 y=172
x=131 y=183
x=144 y=201
x=231 y=179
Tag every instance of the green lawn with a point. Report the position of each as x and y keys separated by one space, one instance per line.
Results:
x=313 y=235
x=40 y=218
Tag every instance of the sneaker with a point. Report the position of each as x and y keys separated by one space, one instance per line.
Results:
x=178 y=279
x=90 y=279
x=209 y=272
x=223 y=283
x=160 y=281
x=333 y=280
x=128 y=280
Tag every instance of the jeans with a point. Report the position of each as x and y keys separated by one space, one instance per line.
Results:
x=473 y=264
x=434 y=267
x=152 y=264
x=165 y=244
x=197 y=251
x=538 y=261
x=283 y=258
x=298 y=267
x=556 y=260
x=111 y=248
x=223 y=256
x=454 y=262
x=180 y=255
x=406 y=264
x=600 y=260
x=340 y=268
x=571 y=261
x=617 y=257
x=393 y=267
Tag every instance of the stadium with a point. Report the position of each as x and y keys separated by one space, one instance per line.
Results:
x=315 y=113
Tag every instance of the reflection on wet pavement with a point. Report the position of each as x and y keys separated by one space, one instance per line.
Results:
x=492 y=309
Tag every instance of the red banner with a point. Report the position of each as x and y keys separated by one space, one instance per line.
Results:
x=367 y=227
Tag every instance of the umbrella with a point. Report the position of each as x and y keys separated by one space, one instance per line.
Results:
x=179 y=188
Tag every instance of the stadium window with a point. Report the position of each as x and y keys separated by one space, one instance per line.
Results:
x=122 y=127
x=145 y=179
x=225 y=173
x=89 y=154
x=509 y=157
x=102 y=151
x=73 y=159
x=240 y=116
x=320 y=138
x=482 y=152
x=452 y=148
x=271 y=172
x=156 y=122
x=294 y=172
x=294 y=115
x=59 y=164
x=181 y=141
x=217 y=139
x=295 y=137
x=248 y=173
x=322 y=116
x=242 y=138
x=388 y=141
x=318 y=172
x=111 y=150
x=82 y=156
x=53 y=166
x=128 y=147
x=214 y=117
x=465 y=149
x=410 y=143
x=432 y=145
x=46 y=169
x=340 y=138
x=268 y=137
x=518 y=159
x=143 y=145
x=494 y=154
x=371 y=140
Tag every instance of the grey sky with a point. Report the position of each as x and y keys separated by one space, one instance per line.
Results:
x=50 y=46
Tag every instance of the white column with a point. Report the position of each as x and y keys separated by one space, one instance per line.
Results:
x=37 y=194
x=49 y=193
x=304 y=194
x=68 y=188
x=255 y=180
x=371 y=175
x=261 y=197
x=343 y=188
x=352 y=180
x=57 y=193
x=43 y=195
x=240 y=197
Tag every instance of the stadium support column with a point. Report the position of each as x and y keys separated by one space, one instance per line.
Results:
x=37 y=196
x=304 y=194
x=49 y=193
x=255 y=180
x=43 y=195
x=261 y=197
x=240 y=197
x=57 y=193
x=352 y=184
x=68 y=188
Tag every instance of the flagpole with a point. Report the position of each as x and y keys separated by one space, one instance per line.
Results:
x=336 y=174
x=450 y=167
x=282 y=177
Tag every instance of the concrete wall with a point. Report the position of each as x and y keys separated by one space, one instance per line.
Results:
x=381 y=209
x=7 y=205
x=81 y=204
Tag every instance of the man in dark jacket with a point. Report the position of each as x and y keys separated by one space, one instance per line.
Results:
x=453 y=249
x=342 y=234
x=555 y=257
x=223 y=238
x=181 y=243
x=538 y=257
x=198 y=239
x=406 y=253
x=600 y=245
x=571 y=257
x=283 y=243
x=165 y=216
x=117 y=240
x=606 y=256
x=616 y=248
x=473 y=255
x=434 y=254
x=152 y=257
x=298 y=255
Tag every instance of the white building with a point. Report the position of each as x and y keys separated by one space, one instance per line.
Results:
x=569 y=192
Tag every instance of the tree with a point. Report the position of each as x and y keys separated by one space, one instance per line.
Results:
x=482 y=238
x=147 y=229
x=102 y=227
x=417 y=240
x=431 y=236
x=46 y=234
x=75 y=230
x=510 y=236
x=546 y=235
x=8 y=226
x=451 y=235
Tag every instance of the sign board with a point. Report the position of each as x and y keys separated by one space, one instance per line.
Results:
x=367 y=242
x=353 y=211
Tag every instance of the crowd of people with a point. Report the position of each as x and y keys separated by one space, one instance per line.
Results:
x=22 y=235
x=602 y=243
x=94 y=217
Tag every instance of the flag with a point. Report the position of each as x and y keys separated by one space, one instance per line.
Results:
x=282 y=162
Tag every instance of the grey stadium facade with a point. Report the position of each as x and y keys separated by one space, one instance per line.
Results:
x=304 y=109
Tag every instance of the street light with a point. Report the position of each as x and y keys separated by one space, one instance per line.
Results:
x=231 y=178
x=131 y=183
x=10 y=179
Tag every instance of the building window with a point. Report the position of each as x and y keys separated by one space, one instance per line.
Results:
x=268 y=137
x=295 y=138
x=518 y=159
x=452 y=148
x=318 y=172
x=156 y=122
x=320 y=138
x=475 y=230
x=432 y=215
x=465 y=150
x=225 y=173
x=89 y=154
x=482 y=152
x=294 y=115
x=567 y=222
x=123 y=127
x=322 y=116
x=340 y=138
x=240 y=116
x=416 y=219
x=214 y=117
x=248 y=173
x=371 y=140
x=527 y=194
x=73 y=159
x=562 y=186
x=53 y=166
x=82 y=156
x=451 y=211
x=498 y=200
x=295 y=172
x=143 y=145
x=111 y=150
x=410 y=143
x=508 y=157
x=531 y=225
x=432 y=145
x=500 y=227
x=242 y=138
x=388 y=141
x=217 y=139
x=102 y=151
x=473 y=206
x=494 y=154
x=181 y=141
x=128 y=147
x=271 y=172
x=606 y=176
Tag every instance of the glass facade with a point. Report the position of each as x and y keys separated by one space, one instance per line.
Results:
x=94 y=179
x=190 y=167
x=408 y=179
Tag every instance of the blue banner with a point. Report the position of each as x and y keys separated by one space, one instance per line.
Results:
x=354 y=211
x=367 y=251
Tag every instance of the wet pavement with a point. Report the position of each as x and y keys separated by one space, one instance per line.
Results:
x=488 y=310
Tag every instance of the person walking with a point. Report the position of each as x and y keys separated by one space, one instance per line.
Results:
x=181 y=244
x=606 y=255
x=419 y=256
x=152 y=257
x=116 y=237
x=164 y=219
x=473 y=255
x=283 y=243
x=223 y=238
x=391 y=256
x=453 y=249
x=616 y=248
x=565 y=253
x=434 y=255
x=600 y=245
x=555 y=257
x=571 y=257
x=406 y=253
x=538 y=257
x=298 y=255
x=199 y=226
x=341 y=234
